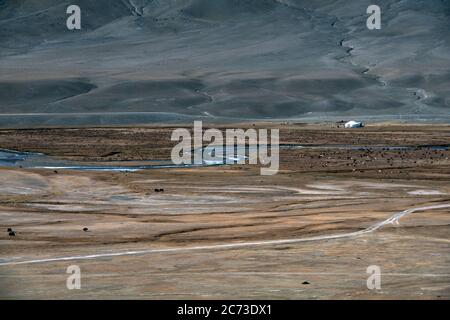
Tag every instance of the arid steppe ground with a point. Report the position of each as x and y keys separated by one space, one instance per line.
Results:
x=318 y=192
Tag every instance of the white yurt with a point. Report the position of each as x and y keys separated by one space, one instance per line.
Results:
x=354 y=124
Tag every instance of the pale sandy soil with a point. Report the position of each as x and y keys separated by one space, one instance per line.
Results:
x=315 y=194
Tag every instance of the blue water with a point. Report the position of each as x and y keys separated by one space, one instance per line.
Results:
x=11 y=158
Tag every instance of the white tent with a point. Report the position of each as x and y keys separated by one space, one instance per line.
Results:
x=354 y=124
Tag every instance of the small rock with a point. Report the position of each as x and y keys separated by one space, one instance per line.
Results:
x=85 y=229
x=305 y=282
x=12 y=233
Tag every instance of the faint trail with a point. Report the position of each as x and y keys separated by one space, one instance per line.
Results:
x=391 y=220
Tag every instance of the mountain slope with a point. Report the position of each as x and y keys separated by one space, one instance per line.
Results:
x=222 y=60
